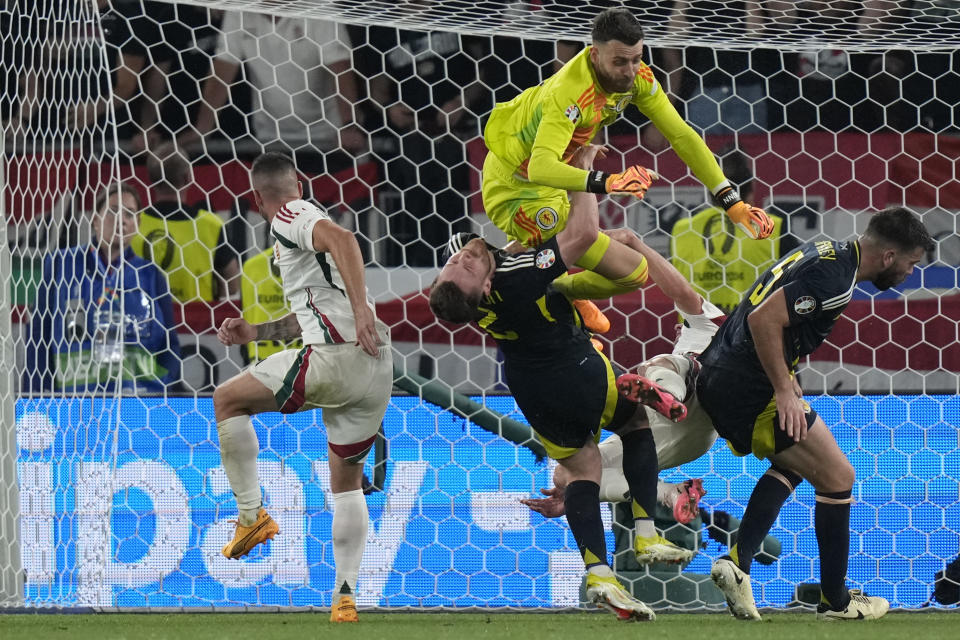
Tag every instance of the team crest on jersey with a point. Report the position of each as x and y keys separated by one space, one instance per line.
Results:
x=547 y=218
x=572 y=113
x=622 y=103
x=545 y=259
x=804 y=305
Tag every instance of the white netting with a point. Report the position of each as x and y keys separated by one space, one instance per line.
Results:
x=829 y=108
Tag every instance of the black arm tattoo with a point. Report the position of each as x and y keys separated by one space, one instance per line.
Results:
x=286 y=328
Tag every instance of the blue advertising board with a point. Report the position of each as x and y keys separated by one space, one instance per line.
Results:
x=124 y=504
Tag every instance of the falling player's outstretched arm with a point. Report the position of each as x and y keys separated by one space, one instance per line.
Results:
x=329 y=237
x=664 y=274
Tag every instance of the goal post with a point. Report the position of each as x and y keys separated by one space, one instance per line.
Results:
x=113 y=496
x=11 y=576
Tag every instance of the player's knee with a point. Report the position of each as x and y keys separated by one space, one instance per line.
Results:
x=839 y=477
x=848 y=475
x=224 y=401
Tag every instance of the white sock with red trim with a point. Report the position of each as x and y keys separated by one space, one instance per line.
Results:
x=238 y=453
x=350 y=522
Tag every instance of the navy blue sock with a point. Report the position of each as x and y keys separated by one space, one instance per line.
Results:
x=767 y=499
x=582 y=502
x=831 y=521
x=640 y=469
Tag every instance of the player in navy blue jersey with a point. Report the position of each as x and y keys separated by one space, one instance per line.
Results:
x=747 y=385
x=565 y=387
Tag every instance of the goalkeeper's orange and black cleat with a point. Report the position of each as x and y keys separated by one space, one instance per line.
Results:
x=594 y=320
x=649 y=393
x=246 y=538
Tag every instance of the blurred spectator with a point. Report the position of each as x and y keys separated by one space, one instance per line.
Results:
x=102 y=313
x=43 y=46
x=835 y=89
x=717 y=256
x=186 y=241
x=146 y=44
x=426 y=84
x=725 y=90
x=261 y=293
x=304 y=89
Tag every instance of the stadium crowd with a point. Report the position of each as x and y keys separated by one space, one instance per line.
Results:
x=399 y=114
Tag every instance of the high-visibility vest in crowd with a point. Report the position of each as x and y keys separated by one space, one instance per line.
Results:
x=261 y=294
x=183 y=246
x=718 y=257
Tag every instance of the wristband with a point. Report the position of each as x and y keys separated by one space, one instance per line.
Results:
x=728 y=197
x=597 y=181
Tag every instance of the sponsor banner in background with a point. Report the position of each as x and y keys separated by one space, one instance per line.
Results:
x=124 y=504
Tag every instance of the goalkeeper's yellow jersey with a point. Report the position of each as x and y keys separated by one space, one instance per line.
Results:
x=537 y=133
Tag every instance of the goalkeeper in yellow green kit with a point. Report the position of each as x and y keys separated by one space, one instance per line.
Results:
x=526 y=175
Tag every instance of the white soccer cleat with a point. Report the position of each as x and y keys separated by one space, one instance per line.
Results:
x=736 y=588
x=607 y=593
x=659 y=549
x=861 y=607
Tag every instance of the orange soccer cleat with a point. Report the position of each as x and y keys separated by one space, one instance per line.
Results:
x=593 y=319
x=344 y=609
x=246 y=538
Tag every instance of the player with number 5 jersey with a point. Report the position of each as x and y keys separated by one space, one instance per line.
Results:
x=748 y=387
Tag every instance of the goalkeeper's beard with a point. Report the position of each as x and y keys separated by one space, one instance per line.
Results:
x=613 y=84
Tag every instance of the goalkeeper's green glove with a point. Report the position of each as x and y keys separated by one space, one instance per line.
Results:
x=633 y=181
x=753 y=220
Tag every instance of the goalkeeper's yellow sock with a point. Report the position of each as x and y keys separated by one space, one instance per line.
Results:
x=587 y=285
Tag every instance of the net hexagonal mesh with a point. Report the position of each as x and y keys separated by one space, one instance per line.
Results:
x=817 y=111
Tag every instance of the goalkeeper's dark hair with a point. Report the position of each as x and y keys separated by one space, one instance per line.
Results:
x=451 y=303
x=103 y=196
x=617 y=23
x=899 y=227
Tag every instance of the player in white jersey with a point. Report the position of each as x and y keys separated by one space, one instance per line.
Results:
x=345 y=367
x=677 y=442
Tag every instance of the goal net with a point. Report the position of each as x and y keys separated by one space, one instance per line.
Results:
x=113 y=493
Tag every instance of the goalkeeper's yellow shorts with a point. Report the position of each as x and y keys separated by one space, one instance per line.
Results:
x=528 y=213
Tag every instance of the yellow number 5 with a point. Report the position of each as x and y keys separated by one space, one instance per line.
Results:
x=775 y=274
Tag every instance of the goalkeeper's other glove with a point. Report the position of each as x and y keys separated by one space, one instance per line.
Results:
x=753 y=220
x=634 y=181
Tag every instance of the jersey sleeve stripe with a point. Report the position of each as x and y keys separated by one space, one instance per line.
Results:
x=286 y=215
x=838 y=301
x=514 y=260
x=589 y=96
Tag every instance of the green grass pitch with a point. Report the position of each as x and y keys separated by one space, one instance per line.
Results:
x=434 y=626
